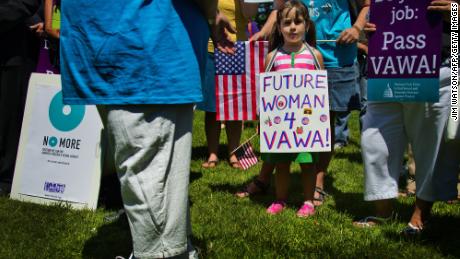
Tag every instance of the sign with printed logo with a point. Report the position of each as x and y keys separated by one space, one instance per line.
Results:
x=59 y=154
x=405 y=52
x=294 y=112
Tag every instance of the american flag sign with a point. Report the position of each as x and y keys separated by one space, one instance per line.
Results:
x=237 y=76
x=246 y=156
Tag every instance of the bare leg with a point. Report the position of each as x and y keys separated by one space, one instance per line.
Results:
x=282 y=181
x=323 y=164
x=308 y=181
x=212 y=130
x=421 y=212
x=264 y=177
x=383 y=208
x=266 y=172
x=233 y=129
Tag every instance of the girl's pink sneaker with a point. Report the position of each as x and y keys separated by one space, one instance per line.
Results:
x=276 y=207
x=306 y=210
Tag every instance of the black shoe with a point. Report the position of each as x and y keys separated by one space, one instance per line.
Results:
x=411 y=231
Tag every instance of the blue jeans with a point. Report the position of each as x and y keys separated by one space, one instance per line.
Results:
x=208 y=87
x=341 y=127
x=341 y=117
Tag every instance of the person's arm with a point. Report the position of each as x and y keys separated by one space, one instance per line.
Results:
x=264 y=33
x=14 y=12
x=219 y=34
x=266 y=29
x=35 y=22
x=49 y=20
x=351 y=35
x=249 y=10
x=208 y=8
x=361 y=20
x=36 y=18
x=218 y=25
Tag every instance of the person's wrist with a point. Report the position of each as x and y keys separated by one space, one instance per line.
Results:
x=357 y=28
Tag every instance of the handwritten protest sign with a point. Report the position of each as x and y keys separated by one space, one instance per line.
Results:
x=404 y=52
x=294 y=112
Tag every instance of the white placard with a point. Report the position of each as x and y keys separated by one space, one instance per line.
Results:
x=294 y=112
x=59 y=151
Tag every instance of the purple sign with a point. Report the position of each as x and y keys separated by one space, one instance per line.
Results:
x=44 y=60
x=404 y=53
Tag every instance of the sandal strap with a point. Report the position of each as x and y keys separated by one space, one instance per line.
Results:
x=322 y=194
x=376 y=219
x=415 y=228
x=321 y=191
x=411 y=230
x=366 y=222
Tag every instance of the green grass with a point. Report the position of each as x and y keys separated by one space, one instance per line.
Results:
x=227 y=227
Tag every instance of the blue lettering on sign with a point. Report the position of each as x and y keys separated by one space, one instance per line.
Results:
x=54 y=187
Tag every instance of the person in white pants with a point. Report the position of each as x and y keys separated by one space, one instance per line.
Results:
x=387 y=128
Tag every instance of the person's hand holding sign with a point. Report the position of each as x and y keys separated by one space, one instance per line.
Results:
x=351 y=35
x=370 y=27
x=443 y=6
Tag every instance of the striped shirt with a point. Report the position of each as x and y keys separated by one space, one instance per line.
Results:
x=302 y=60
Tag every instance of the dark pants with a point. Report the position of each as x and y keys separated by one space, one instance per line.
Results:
x=13 y=92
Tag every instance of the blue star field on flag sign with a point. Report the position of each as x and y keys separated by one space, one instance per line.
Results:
x=228 y=64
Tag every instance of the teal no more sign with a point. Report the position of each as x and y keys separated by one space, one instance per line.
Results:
x=65 y=117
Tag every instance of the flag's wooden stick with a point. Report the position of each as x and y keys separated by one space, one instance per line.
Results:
x=249 y=139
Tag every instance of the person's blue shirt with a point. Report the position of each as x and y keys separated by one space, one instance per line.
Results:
x=132 y=51
x=331 y=17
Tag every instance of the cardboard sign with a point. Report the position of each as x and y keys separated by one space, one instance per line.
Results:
x=294 y=112
x=404 y=53
x=59 y=154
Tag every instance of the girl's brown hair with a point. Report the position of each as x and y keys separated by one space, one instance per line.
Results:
x=276 y=38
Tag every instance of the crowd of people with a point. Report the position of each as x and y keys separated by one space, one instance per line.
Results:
x=131 y=61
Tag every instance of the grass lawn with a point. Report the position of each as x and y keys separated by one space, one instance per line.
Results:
x=227 y=227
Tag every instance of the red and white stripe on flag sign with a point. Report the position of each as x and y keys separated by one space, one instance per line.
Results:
x=246 y=156
x=236 y=80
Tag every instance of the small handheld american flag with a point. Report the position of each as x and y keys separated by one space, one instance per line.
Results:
x=246 y=156
x=236 y=80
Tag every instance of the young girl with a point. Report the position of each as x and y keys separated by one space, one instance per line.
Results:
x=289 y=51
